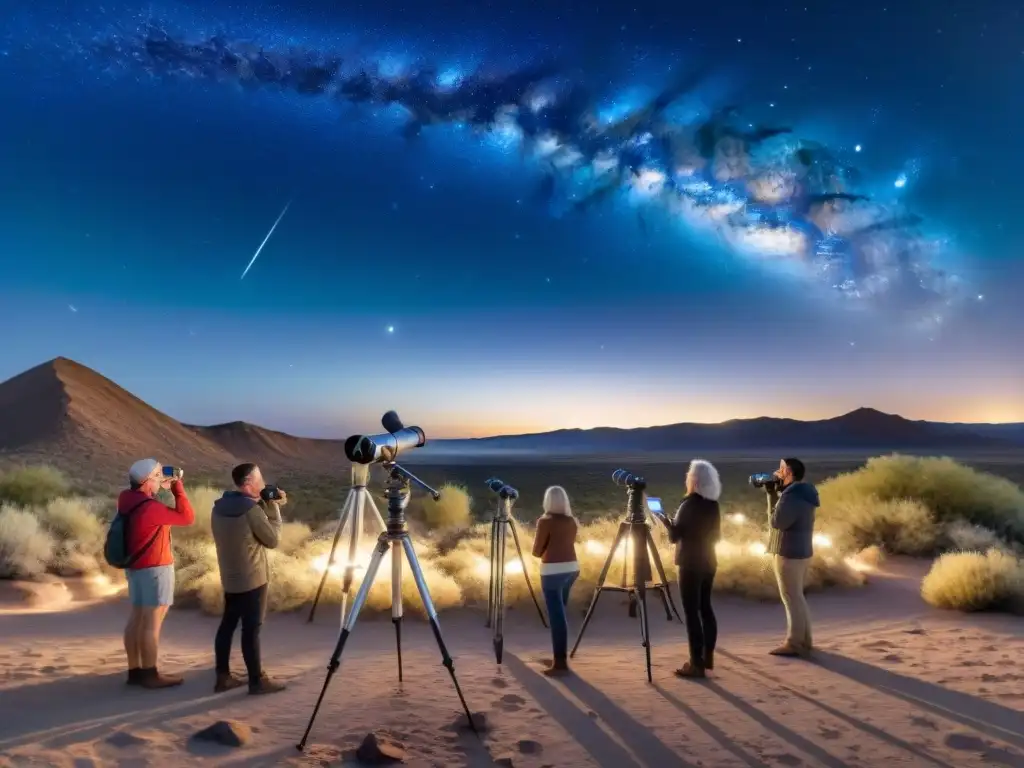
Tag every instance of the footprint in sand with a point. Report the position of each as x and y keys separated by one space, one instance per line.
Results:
x=785 y=759
x=923 y=722
x=47 y=670
x=829 y=733
x=915 y=631
x=512 y=703
x=122 y=740
x=529 y=747
x=893 y=658
x=878 y=645
x=498 y=682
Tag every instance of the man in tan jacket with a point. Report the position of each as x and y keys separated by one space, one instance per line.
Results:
x=246 y=523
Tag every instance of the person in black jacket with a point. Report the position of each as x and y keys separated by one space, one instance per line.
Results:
x=695 y=531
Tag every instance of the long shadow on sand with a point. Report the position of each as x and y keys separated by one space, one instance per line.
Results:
x=605 y=751
x=992 y=719
x=757 y=674
x=716 y=733
x=806 y=746
x=88 y=707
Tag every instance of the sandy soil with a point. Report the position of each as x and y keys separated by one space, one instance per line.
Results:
x=894 y=682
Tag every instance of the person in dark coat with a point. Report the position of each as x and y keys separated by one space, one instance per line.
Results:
x=695 y=530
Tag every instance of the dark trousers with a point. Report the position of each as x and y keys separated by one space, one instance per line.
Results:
x=249 y=608
x=701 y=625
x=556 y=595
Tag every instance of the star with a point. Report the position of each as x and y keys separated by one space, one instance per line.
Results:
x=857 y=148
x=391 y=329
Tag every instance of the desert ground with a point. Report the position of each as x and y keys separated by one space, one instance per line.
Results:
x=894 y=681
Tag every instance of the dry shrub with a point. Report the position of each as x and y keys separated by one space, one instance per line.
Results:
x=293 y=537
x=951 y=491
x=972 y=581
x=961 y=536
x=32 y=486
x=202 y=498
x=78 y=531
x=25 y=547
x=452 y=510
x=900 y=526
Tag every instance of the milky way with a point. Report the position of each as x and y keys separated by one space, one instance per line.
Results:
x=760 y=190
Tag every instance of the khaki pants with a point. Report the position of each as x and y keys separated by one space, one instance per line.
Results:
x=791 y=574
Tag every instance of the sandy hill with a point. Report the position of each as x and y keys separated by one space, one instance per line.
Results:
x=66 y=414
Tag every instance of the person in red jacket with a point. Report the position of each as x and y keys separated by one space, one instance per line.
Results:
x=151 y=576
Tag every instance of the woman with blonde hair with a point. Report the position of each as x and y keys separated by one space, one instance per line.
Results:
x=695 y=531
x=555 y=545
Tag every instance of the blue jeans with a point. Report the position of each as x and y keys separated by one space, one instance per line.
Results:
x=556 y=595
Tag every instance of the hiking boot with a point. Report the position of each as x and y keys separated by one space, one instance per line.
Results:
x=787 y=650
x=227 y=682
x=152 y=679
x=691 y=670
x=559 y=667
x=265 y=685
x=709 y=659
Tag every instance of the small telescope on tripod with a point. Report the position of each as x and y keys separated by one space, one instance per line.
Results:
x=501 y=523
x=384 y=449
x=639 y=550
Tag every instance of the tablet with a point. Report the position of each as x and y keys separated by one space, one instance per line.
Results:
x=654 y=505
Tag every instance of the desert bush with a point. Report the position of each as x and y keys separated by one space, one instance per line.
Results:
x=78 y=533
x=961 y=536
x=202 y=498
x=900 y=526
x=32 y=486
x=25 y=547
x=452 y=510
x=975 y=581
x=951 y=491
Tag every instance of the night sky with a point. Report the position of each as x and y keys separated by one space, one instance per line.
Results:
x=425 y=275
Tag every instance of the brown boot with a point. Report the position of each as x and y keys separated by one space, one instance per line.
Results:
x=559 y=667
x=152 y=679
x=227 y=682
x=787 y=650
x=691 y=669
x=265 y=685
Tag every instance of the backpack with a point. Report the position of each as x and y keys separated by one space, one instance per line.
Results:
x=115 y=549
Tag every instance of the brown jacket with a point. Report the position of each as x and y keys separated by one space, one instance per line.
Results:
x=243 y=530
x=556 y=539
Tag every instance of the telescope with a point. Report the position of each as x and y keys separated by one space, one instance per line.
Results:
x=504 y=491
x=628 y=479
x=385 y=447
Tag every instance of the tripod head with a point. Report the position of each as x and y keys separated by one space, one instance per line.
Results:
x=396 y=491
x=635 y=486
x=507 y=496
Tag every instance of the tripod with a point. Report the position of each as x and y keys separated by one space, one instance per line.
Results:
x=396 y=540
x=352 y=515
x=635 y=533
x=501 y=524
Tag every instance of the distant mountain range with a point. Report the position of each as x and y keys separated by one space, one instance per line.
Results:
x=65 y=413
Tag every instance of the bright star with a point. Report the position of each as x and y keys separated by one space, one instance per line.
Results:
x=391 y=329
x=901 y=181
x=857 y=148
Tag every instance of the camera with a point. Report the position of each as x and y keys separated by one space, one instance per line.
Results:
x=370 y=449
x=766 y=480
x=270 y=493
x=173 y=473
x=504 y=491
x=628 y=479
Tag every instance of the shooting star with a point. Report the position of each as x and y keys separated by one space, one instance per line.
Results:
x=256 y=255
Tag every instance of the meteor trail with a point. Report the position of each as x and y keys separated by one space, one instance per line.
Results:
x=256 y=255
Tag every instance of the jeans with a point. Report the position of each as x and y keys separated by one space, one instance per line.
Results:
x=701 y=625
x=249 y=608
x=790 y=574
x=556 y=595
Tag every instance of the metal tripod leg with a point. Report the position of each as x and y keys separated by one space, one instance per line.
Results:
x=355 y=533
x=499 y=592
x=396 y=599
x=350 y=623
x=491 y=579
x=346 y=512
x=597 y=590
x=666 y=591
x=529 y=586
x=641 y=571
x=428 y=605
